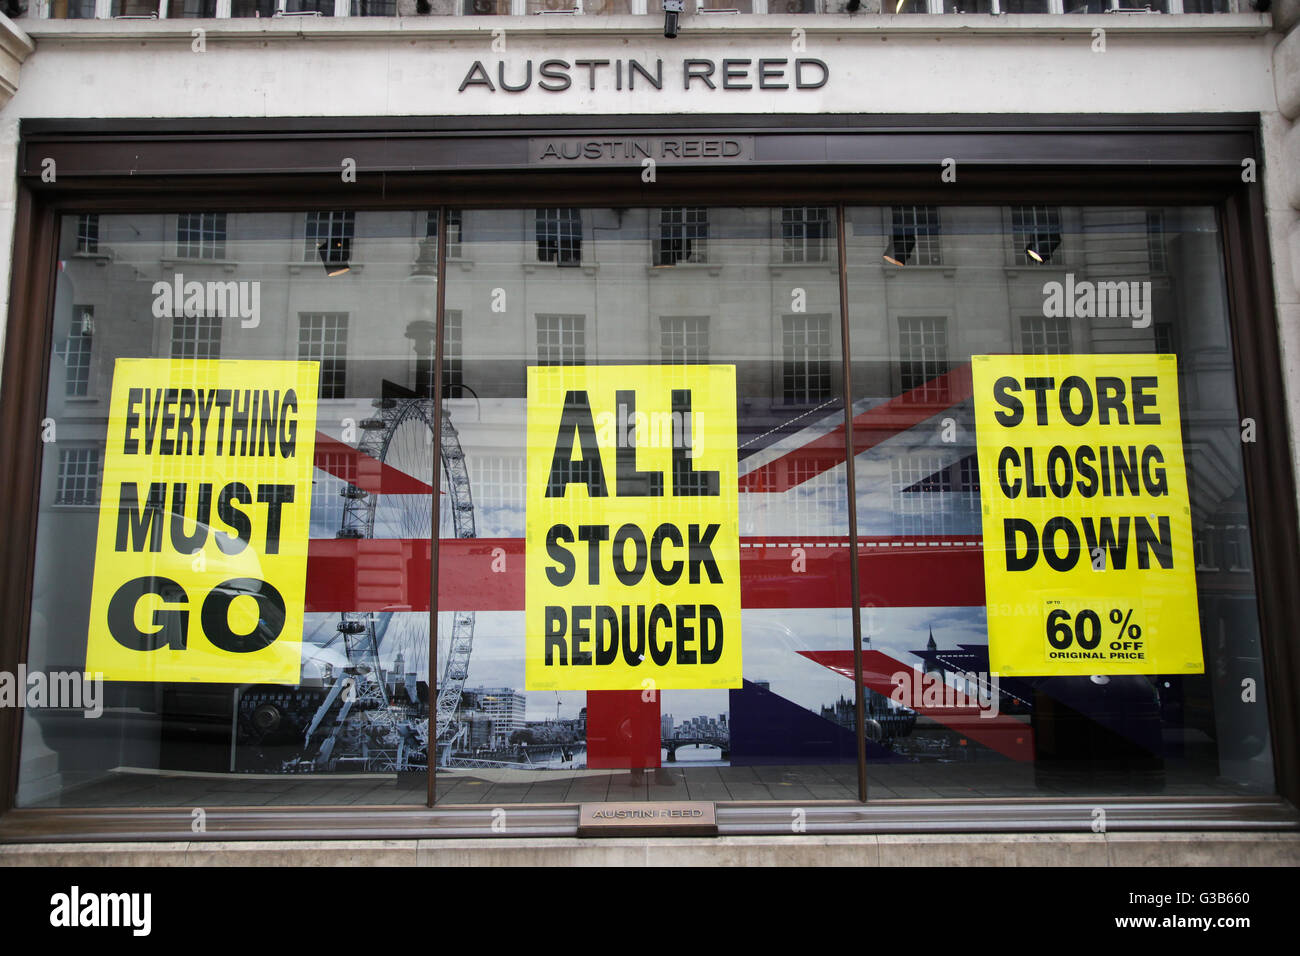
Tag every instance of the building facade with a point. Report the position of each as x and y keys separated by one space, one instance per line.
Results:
x=785 y=261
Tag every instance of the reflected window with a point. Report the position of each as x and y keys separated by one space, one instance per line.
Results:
x=76 y=350
x=202 y=9
x=1203 y=543
x=922 y=486
x=1236 y=547
x=72 y=9
x=806 y=359
x=453 y=363
x=923 y=357
x=561 y=340
x=498 y=481
x=559 y=236
x=196 y=337
x=454 y=231
x=683 y=235
x=201 y=235
x=1035 y=233
x=1044 y=335
x=684 y=339
x=336 y=230
x=915 y=235
x=252 y=8
x=88 y=233
x=805 y=233
x=78 y=482
x=323 y=337
x=374 y=8
x=1163 y=334
x=135 y=8
x=1156 y=261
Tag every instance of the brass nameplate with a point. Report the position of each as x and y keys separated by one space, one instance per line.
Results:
x=686 y=817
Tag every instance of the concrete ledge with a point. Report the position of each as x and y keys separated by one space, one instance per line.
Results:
x=1035 y=849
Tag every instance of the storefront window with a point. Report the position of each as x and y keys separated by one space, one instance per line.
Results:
x=748 y=296
x=638 y=432
x=245 y=302
x=1065 y=283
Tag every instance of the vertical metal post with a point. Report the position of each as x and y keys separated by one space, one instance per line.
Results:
x=852 y=490
x=434 y=507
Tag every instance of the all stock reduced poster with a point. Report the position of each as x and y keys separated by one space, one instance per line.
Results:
x=633 y=544
x=1086 y=521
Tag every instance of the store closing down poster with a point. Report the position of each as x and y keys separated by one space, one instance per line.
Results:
x=1088 y=554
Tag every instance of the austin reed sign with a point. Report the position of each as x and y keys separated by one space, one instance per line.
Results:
x=556 y=76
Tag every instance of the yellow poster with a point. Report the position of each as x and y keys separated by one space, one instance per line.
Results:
x=1088 y=557
x=633 y=542
x=201 y=558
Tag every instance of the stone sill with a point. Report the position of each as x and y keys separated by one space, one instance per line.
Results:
x=649 y=25
x=1056 y=849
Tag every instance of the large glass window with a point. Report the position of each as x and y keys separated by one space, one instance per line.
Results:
x=1079 y=282
x=623 y=352
x=346 y=722
x=786 y=728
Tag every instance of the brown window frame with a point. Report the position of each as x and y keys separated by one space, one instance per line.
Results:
x=484 y=162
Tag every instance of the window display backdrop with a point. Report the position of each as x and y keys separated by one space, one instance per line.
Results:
x=642 y=429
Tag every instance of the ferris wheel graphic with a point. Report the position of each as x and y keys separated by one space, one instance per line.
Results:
x=367 y=729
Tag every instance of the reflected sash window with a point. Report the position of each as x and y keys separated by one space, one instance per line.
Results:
x=806 y=359
x=561 y=340
x=75 y=351
x=88 y=233
x=1044 y=335
x=336 y=229
x=559 y=236
x=684 y=339
x=805 y=233
x=323 y=337
x=1035 y=234
x=683 y=235
x=454 y=231
x=196 y=337
x=201 y=235
x=78 y=482
x=915 y=235
x=923 y=357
